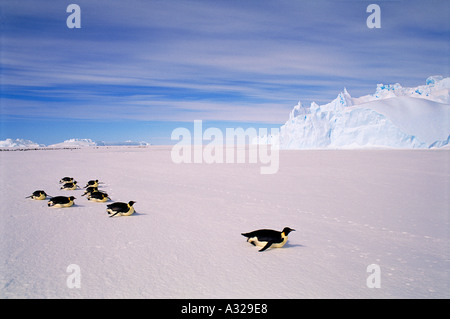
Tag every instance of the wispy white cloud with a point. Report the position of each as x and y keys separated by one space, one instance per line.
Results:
x=219 y=60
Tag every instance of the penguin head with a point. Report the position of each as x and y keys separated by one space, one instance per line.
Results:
x=287 y=230
x=130 y=203
x=71 y=198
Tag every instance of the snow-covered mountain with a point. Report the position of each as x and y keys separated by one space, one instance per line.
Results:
x=18 y=143
x=70 y=143
x=393 y=116
x=74 y=142
x=126 y=143
x=85 y=142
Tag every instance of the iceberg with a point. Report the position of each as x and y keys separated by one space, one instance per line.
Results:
x=392 y=117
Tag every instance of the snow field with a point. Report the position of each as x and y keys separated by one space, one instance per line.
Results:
x=350 y=209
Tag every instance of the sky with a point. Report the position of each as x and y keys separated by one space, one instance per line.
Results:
x=137 y=69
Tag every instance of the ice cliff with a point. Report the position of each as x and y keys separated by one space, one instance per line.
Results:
x=393 y=117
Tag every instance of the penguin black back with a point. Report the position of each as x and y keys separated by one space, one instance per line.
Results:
x=61 y=201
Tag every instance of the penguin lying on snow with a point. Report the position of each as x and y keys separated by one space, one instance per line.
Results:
x=70 y=186
x=66 y=180
x=98 y=197
x=90 y=190
x=61 y=201
x=123 y=209
x=92 y=183
x=39 y=195
x=268 y=238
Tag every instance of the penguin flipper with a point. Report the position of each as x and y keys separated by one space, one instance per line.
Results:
x=114 y=214
x=269 y=243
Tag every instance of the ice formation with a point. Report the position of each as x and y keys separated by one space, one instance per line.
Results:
x=394 y=117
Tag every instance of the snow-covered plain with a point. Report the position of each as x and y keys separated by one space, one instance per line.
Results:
x=350 y=209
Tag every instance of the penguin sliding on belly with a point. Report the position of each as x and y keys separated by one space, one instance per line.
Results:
x=61 y=201
x=89 y=190
x=38 y=195
x=70 y=186
x=66 y=180
x=268 y=238
x=92 y=183
x=121 y=209
x=97 y=196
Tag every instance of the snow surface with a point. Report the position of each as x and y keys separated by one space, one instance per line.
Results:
x=350 y=209
x=392 y=117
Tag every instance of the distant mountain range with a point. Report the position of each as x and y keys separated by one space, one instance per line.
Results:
x=71 y=143
x=19 y=143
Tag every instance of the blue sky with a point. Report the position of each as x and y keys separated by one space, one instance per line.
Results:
x=136 y=70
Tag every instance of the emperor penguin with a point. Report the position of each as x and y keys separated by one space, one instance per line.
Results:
x=92 y=183
x=266 y=238
x=123 y=209
x=70 y=186
x=38 y=195
x=97 y=196
x=61 y=201
x=66 y=180
x=90 y=190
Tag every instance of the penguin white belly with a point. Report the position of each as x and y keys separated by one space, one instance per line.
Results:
x=255 y=241
x=40 y=197
x=98 y=200
x=63 y=205
x=128 y=213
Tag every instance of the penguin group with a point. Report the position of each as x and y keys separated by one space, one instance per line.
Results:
x=265 y=238
x=92 y=193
